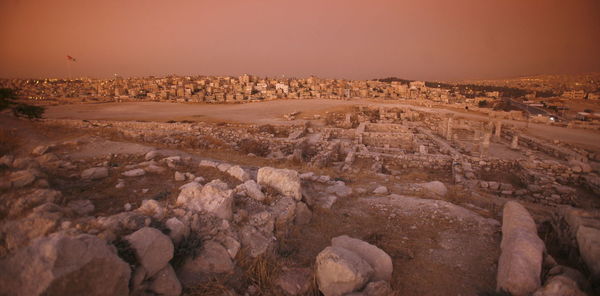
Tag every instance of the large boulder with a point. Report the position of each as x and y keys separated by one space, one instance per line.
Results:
x=40 y=222
x=153 y=249
x=340 y=271
x=564 y=281
x=435 y=187
x=63 y=265
x=588 y=240
x=379 y=260
x=295 y=281
x=188 y=192
x=255 y=241
x=520 y=263
x=177 y=229
x=286 y=182
x=284 y=210
x=94 y=173
x=22 y=178
x=303 y=214
x=165 y=282
x=212 y=258
x=215 y=198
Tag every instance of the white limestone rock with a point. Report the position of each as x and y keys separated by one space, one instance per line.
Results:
x=286 y=182
x=153 y=249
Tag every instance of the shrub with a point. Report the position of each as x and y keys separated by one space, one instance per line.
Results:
x=254 y=147
x=8 y=100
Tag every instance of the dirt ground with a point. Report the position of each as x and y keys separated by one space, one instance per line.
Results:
x=271 y=112
x=435 y=252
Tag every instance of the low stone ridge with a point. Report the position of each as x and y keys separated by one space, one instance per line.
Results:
x=520 y=263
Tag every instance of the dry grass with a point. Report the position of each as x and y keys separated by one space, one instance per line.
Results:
x=260 y=271
x=254 y=147
x=212 y=287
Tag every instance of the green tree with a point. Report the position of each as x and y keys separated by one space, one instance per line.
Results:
x=9 y=100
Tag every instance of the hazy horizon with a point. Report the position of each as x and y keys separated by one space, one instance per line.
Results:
x=337 y=39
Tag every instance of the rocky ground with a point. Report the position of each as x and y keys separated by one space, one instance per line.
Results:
x=108 y=208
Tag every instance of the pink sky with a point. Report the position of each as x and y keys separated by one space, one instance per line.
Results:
x=425 y=39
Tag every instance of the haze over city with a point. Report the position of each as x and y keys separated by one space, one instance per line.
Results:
x=431 y=40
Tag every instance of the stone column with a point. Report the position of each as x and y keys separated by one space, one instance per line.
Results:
x=485 y=145
x=498 y=129
x=515 y=142
x=449 y=129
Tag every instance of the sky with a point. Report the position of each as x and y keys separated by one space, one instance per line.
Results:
x=349 y=39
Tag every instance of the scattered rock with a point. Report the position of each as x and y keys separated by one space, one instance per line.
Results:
x=188 y=192
x=256 y=242
x=286 y=182
x=165 y=282
x=177 y=229
x=215 y=198
x=22 y=178
x=82 y=206
x=340 y=189
x=134 y=173
x=212 y=258
x=380 y=190
x=295 y=281
x=94 y=173
x=153 y=249
x=154 y=169
x=152 y=208
x=303 y=214
x=40 y=150
x=238 y=173
x=588 y=240
x=376 y=257
x=179 y=176
x=252 y=189
x=340 y=271
x=151 y=155
x=436 y=187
